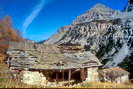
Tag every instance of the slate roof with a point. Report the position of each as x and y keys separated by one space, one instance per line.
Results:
x=113 y=72
x=33 y=47
x=41 y=56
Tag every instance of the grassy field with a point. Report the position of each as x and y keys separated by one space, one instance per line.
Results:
x=103 y=85
x=5 y=82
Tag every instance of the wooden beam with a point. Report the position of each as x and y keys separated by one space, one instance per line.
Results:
x=69 y=77
x=75 y=71
x=8 y=62
x=82 y=74
x=56 y=77
x=62 y=75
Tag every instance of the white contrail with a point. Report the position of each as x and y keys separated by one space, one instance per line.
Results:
x=32 y=16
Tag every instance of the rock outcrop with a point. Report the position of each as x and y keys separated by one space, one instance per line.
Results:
x=129 y=6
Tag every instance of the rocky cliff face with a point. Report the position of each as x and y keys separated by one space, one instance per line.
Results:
x=94 y=22
x=129 y=6
x=105 y=32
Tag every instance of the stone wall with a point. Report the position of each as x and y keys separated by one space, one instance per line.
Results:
x=37 y=78
x=122 y=79
x=33 y=78
x=92 y=74
x=118 y=80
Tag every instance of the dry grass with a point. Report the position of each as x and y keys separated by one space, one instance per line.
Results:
x=5 y=82
x=103 y=85
x=100 y=85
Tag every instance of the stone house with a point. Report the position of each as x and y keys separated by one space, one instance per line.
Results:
x=47 y=64
x=114 y=74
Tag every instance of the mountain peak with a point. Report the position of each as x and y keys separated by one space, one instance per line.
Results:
x=97 y=12
x=99 y=5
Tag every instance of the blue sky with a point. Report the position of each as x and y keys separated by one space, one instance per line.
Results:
x=40 y=19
